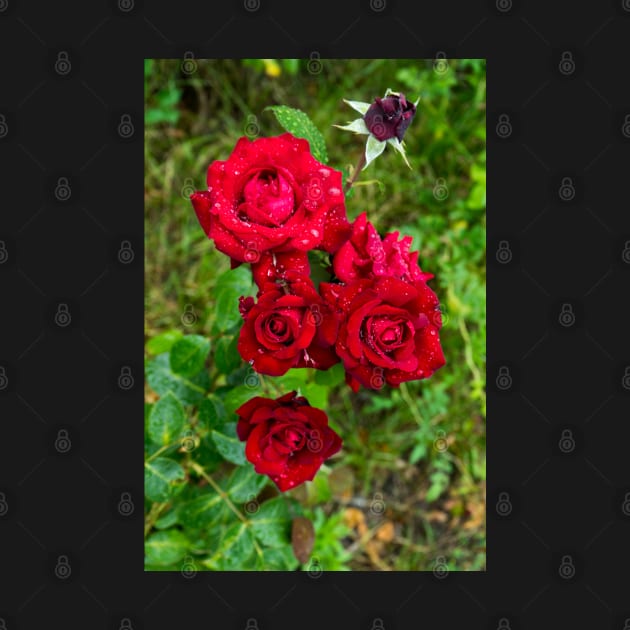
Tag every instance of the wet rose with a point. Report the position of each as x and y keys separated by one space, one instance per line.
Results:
x=389 y=333
x=389 y=117
x=365 y=255
x=290 y=326
x=272 y=194
x=273 y=266
x=286 y=438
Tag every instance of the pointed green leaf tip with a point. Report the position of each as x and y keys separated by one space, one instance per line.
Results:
x=300 y=125
x=358 y=106
x=373 y=148
x=400 y=147
x=358 y=126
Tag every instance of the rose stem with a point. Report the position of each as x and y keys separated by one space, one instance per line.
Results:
x=355 y=173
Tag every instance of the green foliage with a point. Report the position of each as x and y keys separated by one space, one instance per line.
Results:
x=329 y=532
x=188 y=355
x=160 y=476
x=166 y=98
x=301 y=126
x=166 y=420
x=389 y=435
x=203 y=497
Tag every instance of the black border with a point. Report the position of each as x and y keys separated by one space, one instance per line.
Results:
x=567 y=121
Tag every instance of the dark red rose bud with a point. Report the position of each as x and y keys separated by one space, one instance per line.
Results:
x=389 y=117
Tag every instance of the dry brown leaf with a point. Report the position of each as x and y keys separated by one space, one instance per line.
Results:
x=437 y=516
x=385 y=532
x=477 y=517
x=355 y=519
x=302 y=538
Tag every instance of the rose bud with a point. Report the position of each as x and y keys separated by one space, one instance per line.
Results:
x=389 y=117
x=291 y=326
x=389 y=333
x=286 y=438
x=366 y=255
x=272 y=194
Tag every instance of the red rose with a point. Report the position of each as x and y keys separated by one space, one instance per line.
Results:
x=390 y=331
x=272 y=194
x=287 y=439
x=290 y=326
x=273 y=266
x=365 y=255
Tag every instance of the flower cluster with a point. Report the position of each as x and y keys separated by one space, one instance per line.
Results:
x=268 y=205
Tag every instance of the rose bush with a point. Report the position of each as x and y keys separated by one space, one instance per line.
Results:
x=286 y=438
x=268 y=205
x=272 y=194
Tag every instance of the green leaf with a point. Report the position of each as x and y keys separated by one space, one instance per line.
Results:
x=206 y=454
x=358 y=126
x=168 y=520
x=202 y=511
x=228 y=315
x=164 y=342
x=211 y=412
x=235 y=550
x=332 y=376
x=188 y=355
x=159 y=476
x=272 y=523
x=226 y=356
x=279 y=559
x=400 y=147
x=245 y=483
x=239 y=279
x=244 y=374
x=300 y=125
x=166 y=547
x=358 y=106
x=317 y=395
x=373 y=148
x=232 y=449
x=162 y=379
x=294 y=379
x=166 y=420
x=239 y=396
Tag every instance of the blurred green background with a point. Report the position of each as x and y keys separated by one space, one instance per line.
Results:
x=409 y=490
